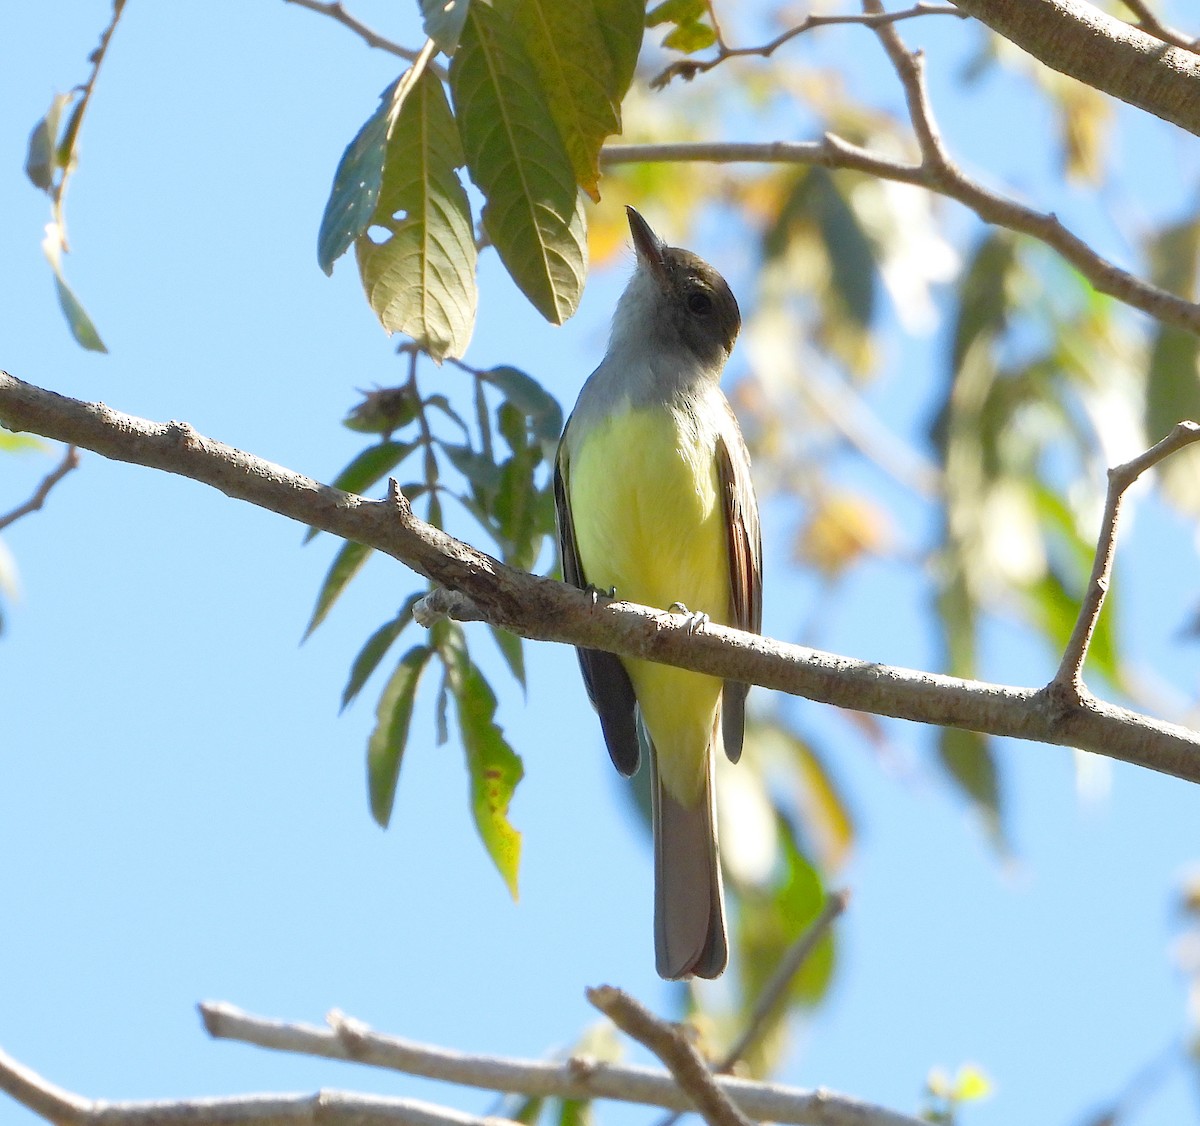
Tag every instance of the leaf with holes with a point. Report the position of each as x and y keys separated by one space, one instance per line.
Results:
x=516 y=157
x=420 y=277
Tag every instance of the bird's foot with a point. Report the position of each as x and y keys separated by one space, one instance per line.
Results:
x=593 y=592
x=695 y=620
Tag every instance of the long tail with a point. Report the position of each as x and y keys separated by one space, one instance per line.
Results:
x=689 y=902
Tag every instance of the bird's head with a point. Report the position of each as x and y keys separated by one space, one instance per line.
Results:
x=680 y=298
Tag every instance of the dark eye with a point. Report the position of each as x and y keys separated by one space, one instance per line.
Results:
x=699 y=302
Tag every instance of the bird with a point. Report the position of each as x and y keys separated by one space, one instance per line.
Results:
x=655 y=505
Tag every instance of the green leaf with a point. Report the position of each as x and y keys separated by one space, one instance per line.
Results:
x=382 y=410
x=376 y=649
x=483 y=474
x=531 y=398
x=575 y=1112
x=569 y=52
x=770 y=920
x=967 y=759
x=443 y=22
x=676 y=11
x=370 y=465
x=851 y=254
x=346 y=564
x=513 y=652
x=495 y=770
x=526 y=1110
x=420 y=279
x=367 y=468
x=20 y=443
x=385 y=750
x=80 y=323
x=690 y=37
x=441 y=403
x=356 y=183
x=41 y=160
x=984 y=298
x=516 y=157
x=623 y=24
x=1173 y=381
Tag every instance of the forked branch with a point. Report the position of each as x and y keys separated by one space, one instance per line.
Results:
x=545 y=610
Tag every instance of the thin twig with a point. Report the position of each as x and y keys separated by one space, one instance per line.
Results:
x=70 y=460
x=575 y=1078
x=336 y=11
x=1069 y=677
x=1152 y=25
x=668 y=1042
x=67 y=162
x=835 y=152
x=689 y=68
x=776 y=989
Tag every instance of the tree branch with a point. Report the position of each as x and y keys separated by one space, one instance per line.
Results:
x=70 y=460
x=945 y=178
x=689 y=68
x=325 y=1108
x=1100 y=50
x=545 y=610
x=1152 y=25
x=669 y=1043
x=575 y=1078
x=1069 y=678
x=337 y=12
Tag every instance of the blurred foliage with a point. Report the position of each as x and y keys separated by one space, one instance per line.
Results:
x=946 y=1093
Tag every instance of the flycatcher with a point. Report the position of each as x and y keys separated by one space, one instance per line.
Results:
x=654 y=499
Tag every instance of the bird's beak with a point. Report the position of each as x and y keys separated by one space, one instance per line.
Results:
x=648 y=245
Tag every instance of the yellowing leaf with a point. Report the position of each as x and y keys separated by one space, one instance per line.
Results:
x=570 y=55
x=842 y=528
x=518 y=160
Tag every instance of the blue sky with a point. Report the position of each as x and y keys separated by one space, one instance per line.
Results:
x=182 y=810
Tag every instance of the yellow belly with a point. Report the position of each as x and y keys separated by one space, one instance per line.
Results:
x=649 y=521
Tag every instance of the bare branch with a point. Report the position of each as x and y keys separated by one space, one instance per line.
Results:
x=336 y=11
x=70 y=460
x=545 y=610
x=671 y=1045
x=834 y=152
x=1152 y=25
x=576 y=1078
x=325 y=1108
x=689 y=68
x=1080 y=40
x=1069 y=677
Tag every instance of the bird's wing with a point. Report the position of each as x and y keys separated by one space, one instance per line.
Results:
x=744 y=539
x=607 y=682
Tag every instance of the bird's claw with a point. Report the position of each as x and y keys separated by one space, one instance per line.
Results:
x=593 y=592
x=695 y=620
